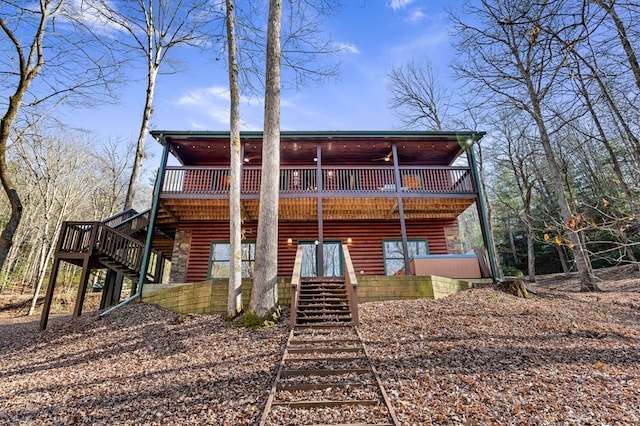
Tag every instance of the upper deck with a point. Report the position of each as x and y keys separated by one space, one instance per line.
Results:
x=336 y=175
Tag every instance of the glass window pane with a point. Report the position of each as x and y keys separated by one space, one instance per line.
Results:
x=220 y=251
x=393 y=249
x=220 y=270
x=247 y=269
x=308 y=267
x=393 y=266
x=248 y=251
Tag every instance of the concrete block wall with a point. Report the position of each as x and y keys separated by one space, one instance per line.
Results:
x=211 y=296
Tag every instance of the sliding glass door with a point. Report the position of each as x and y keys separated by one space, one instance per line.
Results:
x=331 y=259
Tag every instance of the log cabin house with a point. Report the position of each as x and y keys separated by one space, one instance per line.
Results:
x=393 y=197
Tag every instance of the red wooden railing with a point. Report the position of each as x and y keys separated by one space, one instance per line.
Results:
x=296 y=180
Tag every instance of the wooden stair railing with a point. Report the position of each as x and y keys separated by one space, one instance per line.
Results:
x=113 y=248
x=118 y=218
x=295 y=284
x=351 y=283
x=129 y=221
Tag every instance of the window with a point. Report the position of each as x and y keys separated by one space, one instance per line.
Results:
x=394 y=254
x=220 y=255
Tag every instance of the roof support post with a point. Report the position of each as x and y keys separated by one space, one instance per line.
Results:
x=482 y=213
x=320 y=193
x=403 y=227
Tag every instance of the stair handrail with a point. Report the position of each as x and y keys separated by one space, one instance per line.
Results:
x=351 y=283
x=114 y=220
x=124 y=249
x=130 y=226
x=295 y=284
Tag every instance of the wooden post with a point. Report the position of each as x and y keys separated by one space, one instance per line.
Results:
x=82 y=287
x=44 y=317
x=86 y=270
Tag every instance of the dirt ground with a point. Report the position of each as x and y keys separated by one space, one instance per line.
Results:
x=477 y=357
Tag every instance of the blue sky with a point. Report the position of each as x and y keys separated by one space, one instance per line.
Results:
x=377 y=34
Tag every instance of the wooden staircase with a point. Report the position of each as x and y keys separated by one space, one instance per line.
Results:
x=323 y=300
x=110 y=244
x=325 y=376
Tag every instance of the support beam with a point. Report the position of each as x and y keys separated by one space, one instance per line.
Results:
x=44 y=317
x=482 y=214
x=403 y=227
x=82 y=287
x=320 y=192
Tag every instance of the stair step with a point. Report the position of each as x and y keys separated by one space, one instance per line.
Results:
x=323 y=372
x=316 y=386
x=321 y=350
x=309 y=305
x=324 y=359
x=294 y=343
x=327 y=403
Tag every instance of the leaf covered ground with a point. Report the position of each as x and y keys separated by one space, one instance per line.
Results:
x=478 y=357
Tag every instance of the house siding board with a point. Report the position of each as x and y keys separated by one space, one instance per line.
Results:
x=365 y=249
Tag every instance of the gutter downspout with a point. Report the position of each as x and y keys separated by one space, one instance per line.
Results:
x=482 y=210
x=150 y=227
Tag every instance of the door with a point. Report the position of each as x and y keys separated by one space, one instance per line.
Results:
x=331 y=259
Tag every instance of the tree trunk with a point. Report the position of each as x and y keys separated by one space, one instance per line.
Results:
x=531 y=254
x=142 y=136
x=234 y=301
x=6 y=238
x=624 y=39
x=581 y=257
x=264 y=296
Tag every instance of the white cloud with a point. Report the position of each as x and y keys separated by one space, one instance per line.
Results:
x=417 y=15
x=399 y=4
x=211 y=105
x=204 y=97
x=348 y=48
x=93 y=14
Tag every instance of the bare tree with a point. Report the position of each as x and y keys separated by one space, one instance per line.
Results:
x=153 y=28
x=264 y=296
x=417 y=95
x=522 y=161
x=78 y=68
x=506 y=53
x=610 y=8
x=234 y=302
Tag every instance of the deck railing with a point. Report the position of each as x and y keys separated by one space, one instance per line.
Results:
x=299 y=180
x=96 y=238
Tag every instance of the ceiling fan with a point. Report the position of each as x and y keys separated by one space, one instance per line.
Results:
x=385 y=158
x=248 y=158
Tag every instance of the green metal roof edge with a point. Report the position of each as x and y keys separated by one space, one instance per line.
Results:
x=319 y=133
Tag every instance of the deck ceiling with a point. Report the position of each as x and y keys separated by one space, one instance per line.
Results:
x=355 y=148
x=306 y=209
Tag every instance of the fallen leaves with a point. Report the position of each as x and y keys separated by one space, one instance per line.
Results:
x=480 y=356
